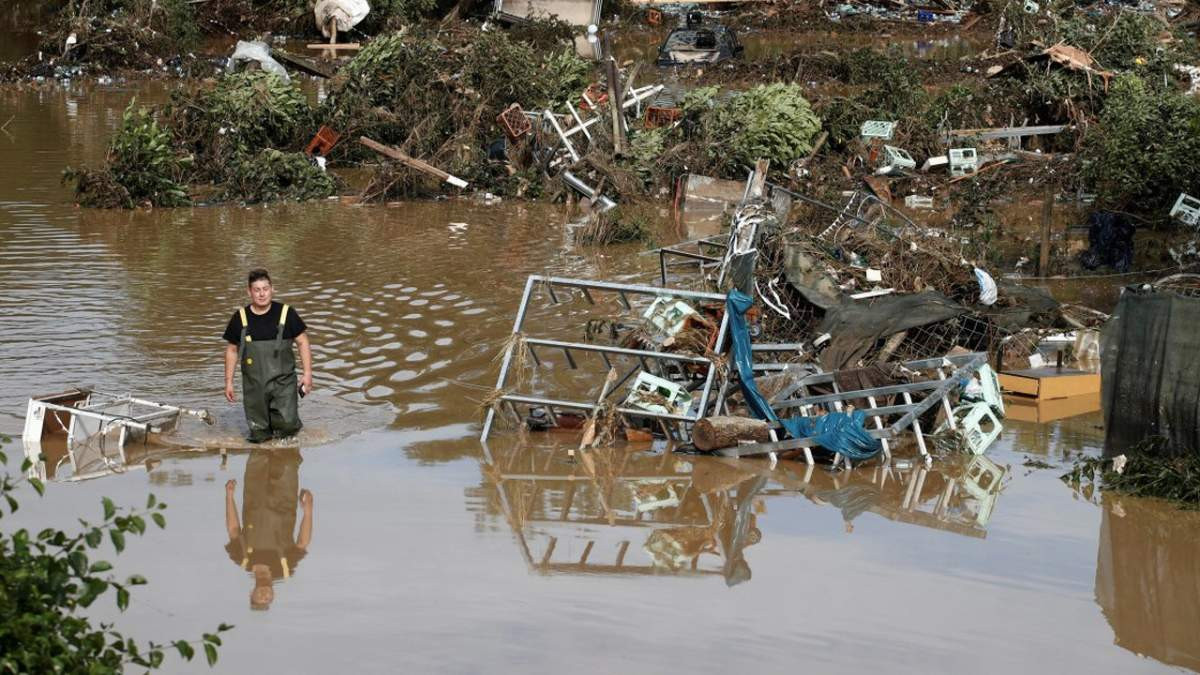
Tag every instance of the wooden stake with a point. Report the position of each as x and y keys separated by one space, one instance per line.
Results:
x=758 y=183
x=412 y=162
x=615 y=99
x=1044 y=253
x=589 y=428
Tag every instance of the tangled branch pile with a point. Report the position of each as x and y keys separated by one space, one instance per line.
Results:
x=436 y=96
x=231 y=134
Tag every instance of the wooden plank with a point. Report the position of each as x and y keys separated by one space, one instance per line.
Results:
x=615 y=98
x=1044 y=249
x=307 y=65
x=412 y=162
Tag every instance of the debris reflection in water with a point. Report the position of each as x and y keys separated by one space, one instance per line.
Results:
x=625 y=510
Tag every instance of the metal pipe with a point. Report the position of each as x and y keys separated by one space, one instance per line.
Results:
x=574 y=182
x=655 y=291
x=624 y=351
x=581 y=405
x=491 y=413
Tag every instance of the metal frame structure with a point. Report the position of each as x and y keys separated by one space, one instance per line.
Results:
x=690 y=258
x=569 y=519
x=92 y=415
x=906 y=415
x=588 y=289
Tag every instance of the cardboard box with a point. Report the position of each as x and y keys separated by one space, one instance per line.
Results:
x=1050 y=382
x=1040 y=411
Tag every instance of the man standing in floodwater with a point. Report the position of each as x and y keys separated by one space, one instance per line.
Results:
x=266 y=542
x=260 y=337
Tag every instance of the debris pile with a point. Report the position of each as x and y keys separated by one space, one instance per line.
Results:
x=838 y=363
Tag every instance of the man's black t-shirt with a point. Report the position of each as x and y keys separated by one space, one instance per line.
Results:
x=263 y=327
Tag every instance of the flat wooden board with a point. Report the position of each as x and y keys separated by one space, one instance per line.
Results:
x=1050 y=382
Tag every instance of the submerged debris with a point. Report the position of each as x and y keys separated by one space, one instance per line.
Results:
x=1142 y=472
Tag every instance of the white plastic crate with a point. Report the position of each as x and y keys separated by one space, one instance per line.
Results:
x=1187 y=209
x=963 y=161
x=898 y=158
x=878 y=129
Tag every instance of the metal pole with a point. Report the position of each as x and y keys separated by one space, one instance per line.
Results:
x=508 y=353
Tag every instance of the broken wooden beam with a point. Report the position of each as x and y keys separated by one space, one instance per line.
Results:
x=307 y=65
x=412 y=162
x=615 y=100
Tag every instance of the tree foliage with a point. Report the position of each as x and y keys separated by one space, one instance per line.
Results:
x=1143 y=151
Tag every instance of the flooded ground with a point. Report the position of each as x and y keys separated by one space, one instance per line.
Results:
x=430 y=554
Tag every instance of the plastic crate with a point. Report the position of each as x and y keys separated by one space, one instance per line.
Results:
x=963 y=161
x=514 y=122
x=898 y=158
x=878 y=129
x=1187 y=209
x=660 y=117
x=323 y=142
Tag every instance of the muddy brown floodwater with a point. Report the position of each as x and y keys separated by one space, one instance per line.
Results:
x=429 y=555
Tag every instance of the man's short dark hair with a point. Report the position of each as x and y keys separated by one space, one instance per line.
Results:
x=257 y=274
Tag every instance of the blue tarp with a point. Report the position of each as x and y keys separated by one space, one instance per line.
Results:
x=837 y=432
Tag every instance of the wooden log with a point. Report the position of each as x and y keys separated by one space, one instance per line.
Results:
x=1044 y=246
x=714 y=433
x=615 y=99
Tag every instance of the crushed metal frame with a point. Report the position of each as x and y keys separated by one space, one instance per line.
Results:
x=587 y=288
x=935 y=392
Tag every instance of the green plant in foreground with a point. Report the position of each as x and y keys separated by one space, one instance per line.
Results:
x=48 y=578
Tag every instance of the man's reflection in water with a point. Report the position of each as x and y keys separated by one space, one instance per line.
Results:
x=266 y=542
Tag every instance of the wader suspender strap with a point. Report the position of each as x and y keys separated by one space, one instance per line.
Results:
x=244 y=338
x=279 y=331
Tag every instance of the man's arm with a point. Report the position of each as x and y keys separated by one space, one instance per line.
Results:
x=305 y=361
x=231 y=351
x=232 y=525
x=305 y=536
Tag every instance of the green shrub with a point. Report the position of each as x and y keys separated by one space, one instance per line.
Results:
x=1142 y=152
x=144 y=166
x=771 y=121
x=242 y=114
x=272 y=175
